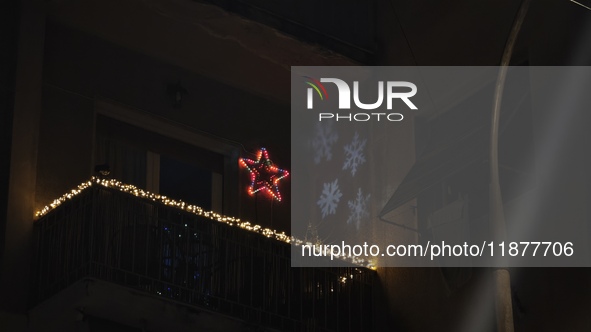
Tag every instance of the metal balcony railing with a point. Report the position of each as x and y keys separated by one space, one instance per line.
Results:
x=139 y=243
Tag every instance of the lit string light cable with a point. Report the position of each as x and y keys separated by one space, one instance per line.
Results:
x=232 y=221
x=133 y=190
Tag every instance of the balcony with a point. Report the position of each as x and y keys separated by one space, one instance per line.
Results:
x=119 y=234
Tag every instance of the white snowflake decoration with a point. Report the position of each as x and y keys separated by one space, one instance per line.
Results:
x=359 y=209
x=326 y=136
x=354 y=154
x=329 y=199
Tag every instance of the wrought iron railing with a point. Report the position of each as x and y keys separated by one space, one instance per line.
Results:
x=115 y=236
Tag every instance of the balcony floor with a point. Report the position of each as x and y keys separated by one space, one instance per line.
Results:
x=86 y=305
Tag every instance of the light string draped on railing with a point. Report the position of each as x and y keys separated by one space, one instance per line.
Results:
x=232 y=221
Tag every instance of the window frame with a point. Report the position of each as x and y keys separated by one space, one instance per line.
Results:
x=184 y=134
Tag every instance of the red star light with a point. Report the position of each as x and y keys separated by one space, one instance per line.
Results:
x=264 y=175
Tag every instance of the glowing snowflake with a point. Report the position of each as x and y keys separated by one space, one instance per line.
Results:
x=329 y=199
x=354 y=154
x=358 y=208
x=326 y=136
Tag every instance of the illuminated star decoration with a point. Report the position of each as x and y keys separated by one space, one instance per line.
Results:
x=264 y=175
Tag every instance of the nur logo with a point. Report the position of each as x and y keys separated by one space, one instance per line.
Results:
x=318 y=87
x=392 y=89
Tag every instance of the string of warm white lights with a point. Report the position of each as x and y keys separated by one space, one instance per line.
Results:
x=133 y=190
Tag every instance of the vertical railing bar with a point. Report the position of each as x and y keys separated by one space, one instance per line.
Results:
x=133 y=251
x=160 y=246
x=187 y=249
x=251 y=249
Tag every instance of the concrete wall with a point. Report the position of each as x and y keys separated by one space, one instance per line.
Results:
x=9 y=26
x=23 y=157
x=8 y=39
x=65 y=145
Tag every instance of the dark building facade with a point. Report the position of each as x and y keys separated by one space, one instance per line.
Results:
x=170 y=94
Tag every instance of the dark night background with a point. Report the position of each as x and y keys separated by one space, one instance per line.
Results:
x=170 y=94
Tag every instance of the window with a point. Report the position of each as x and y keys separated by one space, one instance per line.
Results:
x=161 y=164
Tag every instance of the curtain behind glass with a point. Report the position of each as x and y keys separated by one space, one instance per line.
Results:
x=127 y=163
